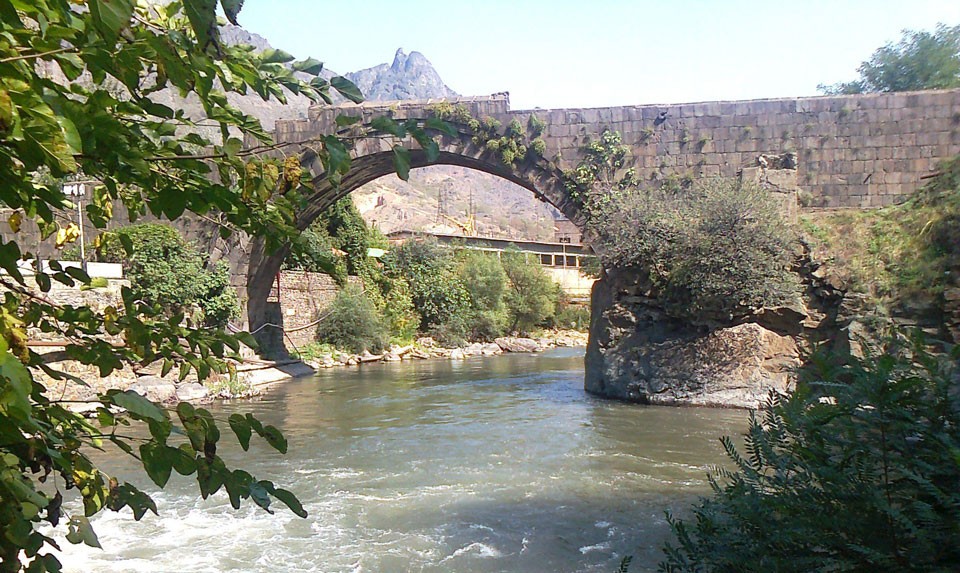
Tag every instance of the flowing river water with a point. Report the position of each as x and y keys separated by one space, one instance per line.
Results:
x=488 y=464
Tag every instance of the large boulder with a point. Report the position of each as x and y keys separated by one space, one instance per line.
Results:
x=155 y=389
x=515 y=344
x=639 y=354
x=192 y=392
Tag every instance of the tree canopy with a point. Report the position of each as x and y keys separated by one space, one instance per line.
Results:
x=921 y=60
x=76 y=85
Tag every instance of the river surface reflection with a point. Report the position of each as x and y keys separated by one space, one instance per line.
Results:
x=487 y=464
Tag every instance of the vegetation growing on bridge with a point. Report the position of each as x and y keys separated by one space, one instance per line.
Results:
x=900 y=258
x=511 y=146
x=717 y=252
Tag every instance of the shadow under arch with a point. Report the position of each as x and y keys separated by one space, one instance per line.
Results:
x=541 y=177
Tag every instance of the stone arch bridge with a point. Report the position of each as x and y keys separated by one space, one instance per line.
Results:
x=856 y=151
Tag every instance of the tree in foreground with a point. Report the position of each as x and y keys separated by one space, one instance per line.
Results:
x=76 y=80
x=858 y=470
x=921 y=60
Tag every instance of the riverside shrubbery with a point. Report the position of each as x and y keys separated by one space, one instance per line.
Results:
x=422 y=287
x=167 y=271
x=855 y=471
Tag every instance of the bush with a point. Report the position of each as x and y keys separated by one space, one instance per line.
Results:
x=573 y=316
x=532 y=296
x=856 y=471
x=717 y=251
x=313 y=251
x=435 y=288
x=352 y=323
x=167 y=271
x=484 y=279
x=398 y=311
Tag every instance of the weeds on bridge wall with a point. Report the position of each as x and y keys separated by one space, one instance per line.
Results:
x=512 y=145
x=601 y=168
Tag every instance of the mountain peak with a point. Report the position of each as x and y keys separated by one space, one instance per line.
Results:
x=410 y=76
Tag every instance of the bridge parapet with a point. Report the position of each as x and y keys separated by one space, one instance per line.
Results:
x=855 y=151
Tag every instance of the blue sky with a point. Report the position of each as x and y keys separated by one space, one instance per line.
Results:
x=594 y=53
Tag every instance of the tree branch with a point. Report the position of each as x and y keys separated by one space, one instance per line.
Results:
x=36 y=56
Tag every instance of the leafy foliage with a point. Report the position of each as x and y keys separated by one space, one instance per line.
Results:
x=856 y=471
x=900 y=256
x=718 y=251
x=921 y=60
x=486 y=283
x=532 y=296
x=75 y=88
x=313 y=251
x=429 y=269
x=353 y=323
x=166 y=271
x=601 y=168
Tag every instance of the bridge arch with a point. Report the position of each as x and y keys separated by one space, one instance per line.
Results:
x=374 y=158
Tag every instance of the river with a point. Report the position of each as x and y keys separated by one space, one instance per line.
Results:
x=487 y=464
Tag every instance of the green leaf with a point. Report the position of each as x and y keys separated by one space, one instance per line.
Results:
x=308 y=66
x=232 y=146
x=78 y=274
x=111 y=16
x=401 y=161
x=70 y=135
x=231 y=8
x=291 y=501
x=166 y=368
x=346 y=88
x=441 y=126
x=43 y=281
x=388 y=125
x=338 y=156
x=185 y=462
x=80 y=531
x=275 y=438
x=272 y=56
x=260 y=496
x=136 y=404
x=241 y=428
x=203 y=19
x=345 y=120
x=157 y=462
x=126 y=242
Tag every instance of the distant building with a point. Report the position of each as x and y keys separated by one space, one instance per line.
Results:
x=564 y=231
x=561 y=260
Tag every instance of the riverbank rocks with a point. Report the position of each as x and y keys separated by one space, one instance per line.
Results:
x=516 y=344
x=155 y=389
x=475 y=349
x=192 y=392
x=491 y=349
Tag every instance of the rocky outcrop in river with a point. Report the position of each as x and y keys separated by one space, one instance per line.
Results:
x=638 y=353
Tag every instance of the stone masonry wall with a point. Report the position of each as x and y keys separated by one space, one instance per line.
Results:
x=857 y=151
x=303 y=299
x=852 y=151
